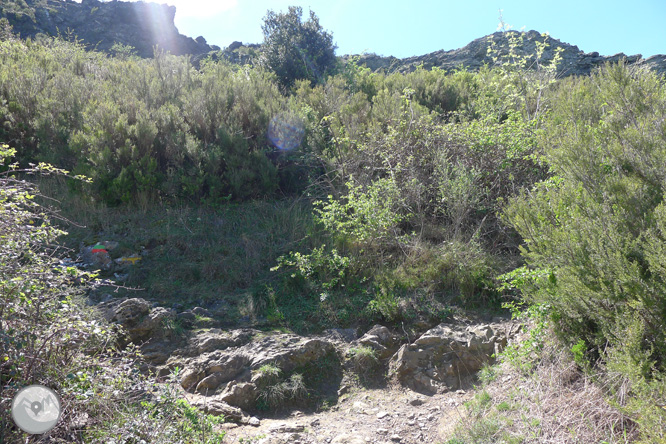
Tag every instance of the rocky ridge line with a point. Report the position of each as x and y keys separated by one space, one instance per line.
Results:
x=475 y=55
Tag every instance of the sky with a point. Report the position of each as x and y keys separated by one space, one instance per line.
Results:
x=416 y=27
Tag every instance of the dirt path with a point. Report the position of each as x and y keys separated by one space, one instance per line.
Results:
x=392 y=415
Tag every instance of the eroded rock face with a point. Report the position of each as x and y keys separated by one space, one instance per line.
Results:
x=100 y=25
x=218 y=367
x=207 y=372
x=443 y=357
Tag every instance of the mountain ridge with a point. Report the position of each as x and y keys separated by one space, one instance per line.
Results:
x=145 y=25
x=475 y=55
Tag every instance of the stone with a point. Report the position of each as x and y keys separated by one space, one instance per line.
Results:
x=346 y=335
x=381 y=340
x=217 y=357
x=189 y=378
x=200 y=311
x=153 y=325
x=344 y=389
x=243 y=394
x=444 y=356
x=285 y=428
x=216 y=407
x=347 y=439
x=138 y=317
x=360 y=407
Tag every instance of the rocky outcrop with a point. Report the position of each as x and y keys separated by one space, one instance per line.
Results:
x=223 y=371
x=100 y=25
x=209 y=371
x=380 y=340
x=475 y=55
x=444 y=357
x=139 y=318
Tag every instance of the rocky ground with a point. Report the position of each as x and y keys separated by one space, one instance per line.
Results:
x=390 y=415
x=343 y=386
x=338 y=387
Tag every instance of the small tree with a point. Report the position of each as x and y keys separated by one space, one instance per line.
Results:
x=296 y=50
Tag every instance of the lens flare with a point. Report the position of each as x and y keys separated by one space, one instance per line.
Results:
x=285 y=131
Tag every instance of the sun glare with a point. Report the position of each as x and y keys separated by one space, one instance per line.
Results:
x=201 y=8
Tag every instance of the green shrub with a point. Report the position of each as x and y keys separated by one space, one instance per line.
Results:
x=275 y=391
x=597 y=225
x=365 y=365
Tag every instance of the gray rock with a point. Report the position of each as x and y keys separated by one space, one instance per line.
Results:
x=207 y=371
x=138 y=317
x=444 y=356
x=348 y=439
x=200 y=311
x=341 y=334
x=286 y=428
x=216 y=407
x=243 y=395
x=474 y=55
x=381 y=340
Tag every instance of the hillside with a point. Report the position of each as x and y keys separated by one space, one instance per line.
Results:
x=100 y=25
x=304 y=251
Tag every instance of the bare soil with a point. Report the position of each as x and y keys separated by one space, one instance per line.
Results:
x=381 y=416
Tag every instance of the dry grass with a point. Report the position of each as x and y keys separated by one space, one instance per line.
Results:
x=555 y=403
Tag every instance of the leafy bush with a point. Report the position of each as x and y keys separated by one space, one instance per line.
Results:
x=161 y=129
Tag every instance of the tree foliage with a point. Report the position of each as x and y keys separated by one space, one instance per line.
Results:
x=297 y=50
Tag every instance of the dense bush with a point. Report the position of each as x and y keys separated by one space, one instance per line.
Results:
x=595 y=231
x=140 y=127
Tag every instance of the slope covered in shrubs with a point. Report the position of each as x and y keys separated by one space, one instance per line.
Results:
x=366 y=197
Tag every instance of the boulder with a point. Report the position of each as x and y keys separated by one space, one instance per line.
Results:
x=207 y=372
x=214 y=406
x=444 y=356
x=381 y=340
x=243 y=395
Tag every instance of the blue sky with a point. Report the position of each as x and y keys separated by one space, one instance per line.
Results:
x=416 y=27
